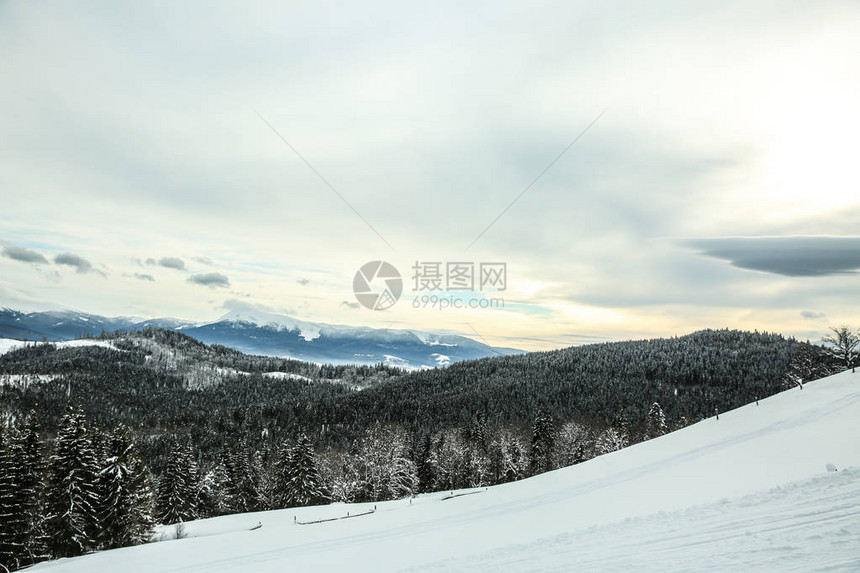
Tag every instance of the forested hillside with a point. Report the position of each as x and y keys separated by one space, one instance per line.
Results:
x=690 y=376
x=205 y=430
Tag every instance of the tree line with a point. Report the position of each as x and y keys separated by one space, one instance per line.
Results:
x=88 y=489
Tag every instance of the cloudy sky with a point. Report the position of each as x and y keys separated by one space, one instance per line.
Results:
x=142 y=173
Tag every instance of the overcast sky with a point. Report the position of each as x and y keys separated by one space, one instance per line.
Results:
x=719 y=187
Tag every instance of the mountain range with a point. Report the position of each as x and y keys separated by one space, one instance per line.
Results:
x=258 y=332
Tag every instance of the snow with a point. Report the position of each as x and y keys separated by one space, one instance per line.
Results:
x=25 y=379
x=750 y=491
x=8 y=344
x=286 y=376
x=307 y=330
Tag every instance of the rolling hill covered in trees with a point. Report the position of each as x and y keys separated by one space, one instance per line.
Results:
x=178 y=430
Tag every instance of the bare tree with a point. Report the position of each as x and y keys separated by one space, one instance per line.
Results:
x=843 y=345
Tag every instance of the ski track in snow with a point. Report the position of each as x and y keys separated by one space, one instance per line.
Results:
x=747 y=492
x=800 y=527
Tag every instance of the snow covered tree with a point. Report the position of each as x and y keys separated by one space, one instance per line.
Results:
x=72 y=499
x=244 y=482
x=543 y=442
x=844 y=345
x=12 y=515
x=478 y=431
x=380 y=466
x=31 y=491
x=214 y=496
x=403 y=480
x=477 y=461
x=570 y=444
x=655 y=423
x=611 y=440
x=299 y=482
x=424 y=467
x=508 y=457
x=126 y=501
x=615 y=437
x=449 y=460
x=177 y=488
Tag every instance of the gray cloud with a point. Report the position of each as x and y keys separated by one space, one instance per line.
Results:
x=151 y=262
x=303 y=282
x=203 y=260
x=172 y=263
x=352 y=305
x=812 y=315
x=24 y=255
x=143 y=277
x=211 y=280
x=80 y=264
x=790 y=256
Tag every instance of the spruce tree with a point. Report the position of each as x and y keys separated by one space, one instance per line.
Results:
x=283 y=476
x=244 y=479
x=72 y=523
x=655 y=424
x=177 y=488
x=302 y=484
x=424 y=469
x=31 y=492
x=543 y=441
x=215 y=493
x=126 y=508
x=12 y=514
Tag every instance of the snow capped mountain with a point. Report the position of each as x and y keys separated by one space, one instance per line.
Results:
x=256 y=332
x=773 y=486
x=259 y=332
x=307 y=330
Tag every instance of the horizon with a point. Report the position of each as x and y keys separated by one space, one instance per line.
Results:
x=474 y=337
x=640 y=172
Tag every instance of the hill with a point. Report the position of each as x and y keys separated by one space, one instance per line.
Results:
x=749 y=491
x=165 y=384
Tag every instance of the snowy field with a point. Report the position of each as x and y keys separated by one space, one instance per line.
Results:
x=751 y=491
x=9 y=344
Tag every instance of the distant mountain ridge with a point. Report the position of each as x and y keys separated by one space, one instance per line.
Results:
x=258 y=332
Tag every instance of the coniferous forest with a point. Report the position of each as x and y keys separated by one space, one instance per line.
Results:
x=100 y=443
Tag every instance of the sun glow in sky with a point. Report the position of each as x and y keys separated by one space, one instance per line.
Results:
x=138 y=180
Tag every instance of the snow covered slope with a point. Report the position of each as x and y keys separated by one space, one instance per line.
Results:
x=8 y=344
x=750 y=491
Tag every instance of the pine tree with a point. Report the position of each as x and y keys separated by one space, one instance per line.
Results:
x=177 y=489
x=215 y=493
x=244 y=479
x=543 y=442
x=72 y=523
x=424 y=468
x=126 y=508
x=12 y=514
x=655 y=424
x=300 y=482
x=31 y=492
x=283 y=476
